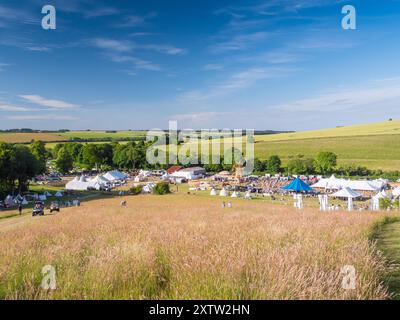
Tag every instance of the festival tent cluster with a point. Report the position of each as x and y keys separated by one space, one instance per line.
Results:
x=100 y=182
x=334 y=183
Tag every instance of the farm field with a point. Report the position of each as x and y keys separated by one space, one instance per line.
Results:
x=102 y=134
x=187 y=247
x=28 y=137
x=372 y=151
x=377 y=128
x=65 y=136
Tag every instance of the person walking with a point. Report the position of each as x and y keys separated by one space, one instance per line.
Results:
x=20 y=208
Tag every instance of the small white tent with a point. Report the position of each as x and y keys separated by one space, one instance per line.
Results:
x=396 y=192
x=223 y=193
x=58 y=194
x=213 y=192
x=235 y=194
x=348 y=193
x=247 y=195
x=115 y=175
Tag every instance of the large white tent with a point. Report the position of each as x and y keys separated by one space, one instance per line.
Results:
x=333 y=183
x=98 y=182
x=78 y=184
x=346 y=192
x=115 y=175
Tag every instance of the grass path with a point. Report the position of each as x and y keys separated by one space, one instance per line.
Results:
x=388 y=242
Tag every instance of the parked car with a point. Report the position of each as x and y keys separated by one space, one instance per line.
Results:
x=38 y=209
x=54 y=206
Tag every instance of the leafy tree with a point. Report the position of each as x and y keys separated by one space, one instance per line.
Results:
x=64 y=161
x=300 y=165
x=274 y=164
x=38 y=149
x=91 y=156
x=24 y=166
x=259 y=165
x=325 y=162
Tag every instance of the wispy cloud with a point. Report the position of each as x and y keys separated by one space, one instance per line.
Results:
x=113 y=45
x=42 y=117
x=12 y=108
x=239 y=42
x=121 y=51
x=201 y=117
x=135 y=62
x=53 y=104
x=12 y=15
x=136 y=20
x=344 y=99
x=3 y=66
x=237 y=81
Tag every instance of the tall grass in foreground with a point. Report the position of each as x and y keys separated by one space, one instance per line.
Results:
x=188 y=247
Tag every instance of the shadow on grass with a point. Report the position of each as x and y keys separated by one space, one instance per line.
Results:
x=386 y=233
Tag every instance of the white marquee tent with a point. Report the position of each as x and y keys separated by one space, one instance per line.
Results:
x=115 y=175
x=334 y=183
x=346 y=192
x=98 y=182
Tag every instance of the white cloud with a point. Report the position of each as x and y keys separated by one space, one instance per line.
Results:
x=42 y=117
x=136 y=62
x=239 y=42
x=213 y=66
x=54 y=104
x=238 y=81
x=113 y=45
x=196 y=117
x=167 y=49
x=346 y=100
x=12 y=108
x=3 y=66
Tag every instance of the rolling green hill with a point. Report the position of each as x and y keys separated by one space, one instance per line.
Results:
x=377 y=128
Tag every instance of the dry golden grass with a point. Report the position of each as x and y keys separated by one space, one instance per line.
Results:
x=188 y=247
x=28 y=137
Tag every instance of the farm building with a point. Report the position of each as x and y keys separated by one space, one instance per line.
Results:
x=190 y=173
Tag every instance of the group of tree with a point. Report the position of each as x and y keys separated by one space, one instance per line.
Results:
x=324 y=163
x=104 y=156
x=19 y=163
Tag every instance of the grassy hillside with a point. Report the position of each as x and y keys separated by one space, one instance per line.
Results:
x=253 y=250
x=378 y=128
x=374 y=152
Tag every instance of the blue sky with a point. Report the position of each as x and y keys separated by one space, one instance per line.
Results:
x=277 y=64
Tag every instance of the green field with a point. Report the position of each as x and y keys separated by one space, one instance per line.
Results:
x=375 y=146
x=378 y=128
x=103 y=134
x=373 y=152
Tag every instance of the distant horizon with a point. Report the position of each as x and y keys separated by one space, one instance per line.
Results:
x=179 y=129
